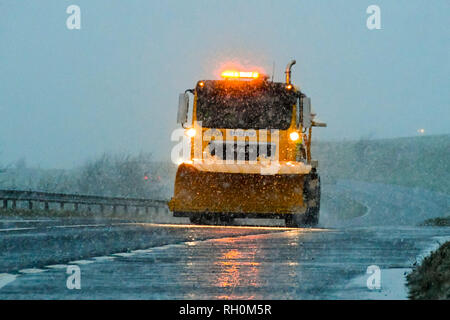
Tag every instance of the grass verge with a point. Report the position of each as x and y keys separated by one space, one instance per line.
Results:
x=431 y=279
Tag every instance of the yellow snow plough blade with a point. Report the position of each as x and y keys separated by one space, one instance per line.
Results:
x=236 y=193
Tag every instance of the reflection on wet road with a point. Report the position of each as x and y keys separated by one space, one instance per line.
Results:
x=128 y=260
x=222 y=267
x=231 y=263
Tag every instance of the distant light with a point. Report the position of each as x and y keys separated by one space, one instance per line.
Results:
x=289 y=86
x=421 y=131
x=201 y=84
x=240 y=74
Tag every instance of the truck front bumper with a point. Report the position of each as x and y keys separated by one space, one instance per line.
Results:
x=237 y=194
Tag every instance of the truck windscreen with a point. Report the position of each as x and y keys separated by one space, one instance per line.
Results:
x=244 y=105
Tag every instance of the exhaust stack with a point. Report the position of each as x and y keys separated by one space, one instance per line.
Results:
x=288 y=71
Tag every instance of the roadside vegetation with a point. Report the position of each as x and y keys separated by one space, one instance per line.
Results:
x=114 y=175
x=437 y=222
x=412 y=162
x=431 y=279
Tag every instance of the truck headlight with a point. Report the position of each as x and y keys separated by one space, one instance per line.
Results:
x=294 y=136
x=190 y=132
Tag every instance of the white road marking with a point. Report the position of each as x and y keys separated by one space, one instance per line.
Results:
x=14 y=221
x=66 y=226
x=52 y=227
x=6 y=278
x=124 y=254
x=142 y=251
x=82 y=262
x=103 y=258
x=78 y=226
x=194 y=226
x=169 y=246
x=15 y=229
x=32 y=270
x=57 y=266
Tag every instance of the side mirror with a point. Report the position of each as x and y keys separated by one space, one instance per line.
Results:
x=183 y=105
x=306 y=117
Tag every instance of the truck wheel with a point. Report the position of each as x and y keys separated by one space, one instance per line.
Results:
x=311 y=193
x=225 y=219
x=299 y=220
x=207 y=218
x=291 y=221
x=196 y=219
x=311 y=218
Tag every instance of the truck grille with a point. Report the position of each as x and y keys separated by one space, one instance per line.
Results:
x=245 y=150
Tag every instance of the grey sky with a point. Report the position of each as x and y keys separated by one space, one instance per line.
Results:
x=69 y=95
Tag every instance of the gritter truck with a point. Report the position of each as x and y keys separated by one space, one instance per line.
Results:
x=248 y=155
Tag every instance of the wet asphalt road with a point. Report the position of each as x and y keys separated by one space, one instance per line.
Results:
x=121 y=259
